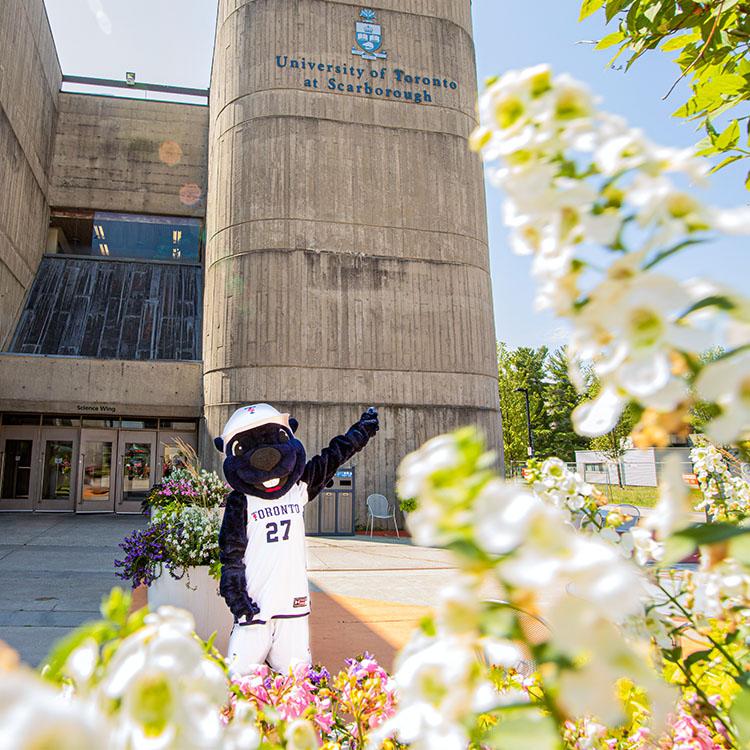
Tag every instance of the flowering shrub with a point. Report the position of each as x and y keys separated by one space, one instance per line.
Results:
x=178 y=538
x=339 y=711
x=631 y=656
x=183 y=532
x=726 y=497
x=144 y=680
x=594 y=203
x=189 y=486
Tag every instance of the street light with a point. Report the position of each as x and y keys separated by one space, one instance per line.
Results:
x=530 y=448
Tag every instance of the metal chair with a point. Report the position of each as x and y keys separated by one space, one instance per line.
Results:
x=378 y=506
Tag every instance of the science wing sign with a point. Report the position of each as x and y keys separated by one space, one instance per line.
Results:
x=369 y=36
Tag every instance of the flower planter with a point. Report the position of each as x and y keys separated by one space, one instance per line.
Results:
x=199 y=594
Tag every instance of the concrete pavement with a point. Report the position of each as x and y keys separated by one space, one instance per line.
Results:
x=54 y=570
x=366 y=595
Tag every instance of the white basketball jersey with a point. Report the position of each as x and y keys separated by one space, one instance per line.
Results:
x=275 y=560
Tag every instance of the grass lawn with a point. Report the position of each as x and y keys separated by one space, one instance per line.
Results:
x=644 y=497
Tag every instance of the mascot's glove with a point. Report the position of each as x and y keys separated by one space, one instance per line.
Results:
x=369 y=422
x=244 y=609
x=232 y=588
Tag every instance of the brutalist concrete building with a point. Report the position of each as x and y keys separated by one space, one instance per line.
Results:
x=313 y=236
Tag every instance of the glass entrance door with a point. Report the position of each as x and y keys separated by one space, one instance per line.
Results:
x=58 y=452
x=96 y=491
x=136 y=469
x=19 y=448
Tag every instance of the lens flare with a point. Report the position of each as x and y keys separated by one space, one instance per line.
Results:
x=170 y=153
x=190 y=194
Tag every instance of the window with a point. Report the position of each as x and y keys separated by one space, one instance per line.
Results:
x=590 y=470
x=169 y=424
x=21 y=419
x=125 y=236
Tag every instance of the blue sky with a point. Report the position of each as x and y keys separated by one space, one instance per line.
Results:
x=170 y=41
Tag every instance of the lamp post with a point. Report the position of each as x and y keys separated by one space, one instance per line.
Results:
x=530 y=448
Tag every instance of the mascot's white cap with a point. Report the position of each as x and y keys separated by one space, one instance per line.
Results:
x=251 y=416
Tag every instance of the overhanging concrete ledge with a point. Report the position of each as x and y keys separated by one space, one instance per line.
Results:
x=68 y=385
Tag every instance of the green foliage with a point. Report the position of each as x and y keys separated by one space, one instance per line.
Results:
x=552 y=398
x=408 y=505
x=117 y=623
x=711 y=41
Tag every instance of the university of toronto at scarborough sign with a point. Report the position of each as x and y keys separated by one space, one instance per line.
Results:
x=379 y=82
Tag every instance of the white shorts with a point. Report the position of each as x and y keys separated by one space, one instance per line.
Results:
x=280 y=642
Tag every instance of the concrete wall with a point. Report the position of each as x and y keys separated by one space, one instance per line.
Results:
x=67 y=385
x=347 y=260
x=130 y=155
x=30 y=79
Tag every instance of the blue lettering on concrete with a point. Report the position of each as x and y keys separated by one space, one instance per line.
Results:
x=347 y=79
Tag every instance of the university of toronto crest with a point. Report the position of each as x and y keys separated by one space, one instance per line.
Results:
x=369 y=37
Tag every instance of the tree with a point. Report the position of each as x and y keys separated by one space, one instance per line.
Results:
x=561 y=397
x=712 y=42
x=552 y=398
x=511 y=406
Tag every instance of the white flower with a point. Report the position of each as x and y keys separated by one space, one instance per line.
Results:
x=556 y=561
x=601 y=414
x=438 y=687
x=726 y=382
x=629 y=330
x=673 y=510
x=458 y=607
x=564 y=488
x=502 y=653
x=168 y=689
x=35 y=716
x=502 y=516
x=415 y=470
x=623 y=150
x=646 y=547
x=673 y=212
x=82 y=663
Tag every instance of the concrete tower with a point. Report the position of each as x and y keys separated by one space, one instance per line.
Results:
x=347 y=260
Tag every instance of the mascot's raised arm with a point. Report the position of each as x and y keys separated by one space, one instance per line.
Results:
x=262 y=538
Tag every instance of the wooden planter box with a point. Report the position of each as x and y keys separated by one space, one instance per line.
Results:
x=198 y=593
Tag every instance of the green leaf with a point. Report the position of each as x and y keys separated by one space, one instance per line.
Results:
x=726 y=162
x=589 y=7
x=696 y=657
x=524 y=730
x=116 y=606
x=747 y=181
x=664 y=254
x=740 y=714
x=730 y=137
x=680 y=42
x=614 y=7
x=723 y=303
x=610 y=40
x=712 y=533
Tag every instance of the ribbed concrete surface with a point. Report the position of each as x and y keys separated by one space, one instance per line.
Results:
x=346 y=258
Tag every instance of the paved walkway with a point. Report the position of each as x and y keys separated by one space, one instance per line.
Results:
x=367 y=595
x=54 y=570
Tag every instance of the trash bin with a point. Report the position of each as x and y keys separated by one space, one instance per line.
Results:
x=332 y=512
